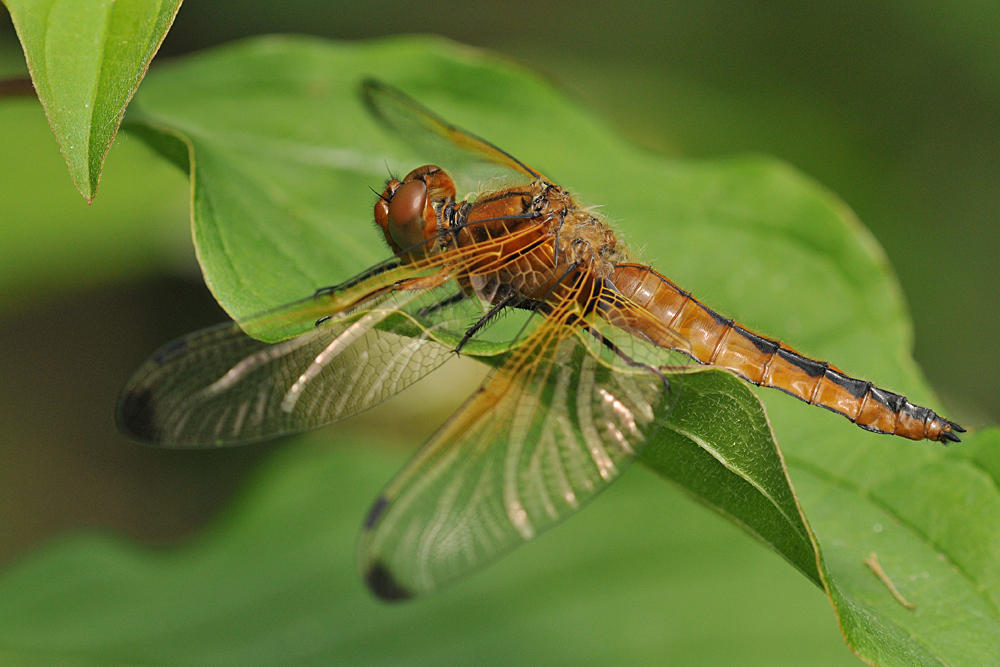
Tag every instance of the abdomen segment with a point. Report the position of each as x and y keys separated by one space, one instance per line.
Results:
x=721 y=342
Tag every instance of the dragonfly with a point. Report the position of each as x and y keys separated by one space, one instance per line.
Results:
x=579 y=390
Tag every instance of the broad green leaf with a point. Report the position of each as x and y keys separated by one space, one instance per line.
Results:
x=272 y=225
x=933 y=521
x=86 y=59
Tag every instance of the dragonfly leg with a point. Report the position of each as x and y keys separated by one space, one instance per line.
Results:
x=533 y=305
x=509 y=299
x=358 y=279
x=420 y=283
x=627 y=359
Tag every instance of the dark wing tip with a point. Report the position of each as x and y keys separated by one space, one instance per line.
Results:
x=371 y=83
x=378 y=507
x=135 y=416
x=370 y=89
x=381 y=582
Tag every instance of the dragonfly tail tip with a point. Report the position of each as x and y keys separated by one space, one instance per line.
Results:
x=949 y=436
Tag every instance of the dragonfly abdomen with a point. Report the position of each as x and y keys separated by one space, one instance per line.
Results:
x=721 y=342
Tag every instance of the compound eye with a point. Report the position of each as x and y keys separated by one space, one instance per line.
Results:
x=406 y=213
x=408 y=203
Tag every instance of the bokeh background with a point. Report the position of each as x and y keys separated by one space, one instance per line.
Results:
x=895 y=106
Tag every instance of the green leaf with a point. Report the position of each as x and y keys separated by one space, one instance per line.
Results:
x=270 y=225
x=933 y=521
x=718 y=446
x=86 y=59
x=281 y=156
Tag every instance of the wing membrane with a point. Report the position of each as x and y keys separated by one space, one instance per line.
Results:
x=220 y=386
x=547 y=431
x=311 y=363
x=439 y=139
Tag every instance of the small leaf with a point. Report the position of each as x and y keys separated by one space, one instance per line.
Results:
x=86 y=59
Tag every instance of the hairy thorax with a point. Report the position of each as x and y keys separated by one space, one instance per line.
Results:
x=542 y=235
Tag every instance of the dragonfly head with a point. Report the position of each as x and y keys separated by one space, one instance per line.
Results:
x=406 y=211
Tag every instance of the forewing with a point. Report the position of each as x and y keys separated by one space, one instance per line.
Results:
x=220 y=386
x=546 y=433
x=451 y=147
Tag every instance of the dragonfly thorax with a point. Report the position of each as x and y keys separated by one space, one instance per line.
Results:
x=583 y=236
x=516 y=239
x=540 y=232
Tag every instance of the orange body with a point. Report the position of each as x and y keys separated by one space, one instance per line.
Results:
x=721 y=342
x=541 y=240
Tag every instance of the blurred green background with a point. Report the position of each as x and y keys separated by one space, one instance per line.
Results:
x=895 y=106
